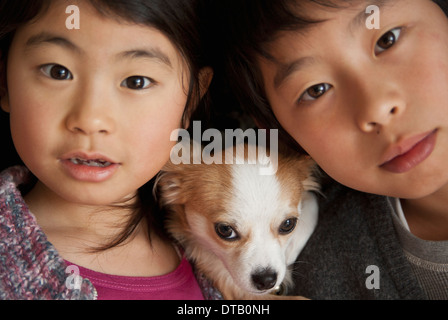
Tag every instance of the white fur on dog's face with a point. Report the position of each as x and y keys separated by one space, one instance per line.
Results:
x=241 y=227
x=256 y=207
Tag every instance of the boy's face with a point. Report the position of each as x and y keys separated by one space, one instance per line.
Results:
x=369 y=105
x=92 y=109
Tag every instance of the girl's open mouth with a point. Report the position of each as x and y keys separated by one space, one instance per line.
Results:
x=91 y=163
x=88 y=167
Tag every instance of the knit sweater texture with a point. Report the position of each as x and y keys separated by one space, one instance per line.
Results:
x=355 y=252
x=30 y=267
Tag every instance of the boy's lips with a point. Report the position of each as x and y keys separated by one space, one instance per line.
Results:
x=89 y=167
x=407 y=154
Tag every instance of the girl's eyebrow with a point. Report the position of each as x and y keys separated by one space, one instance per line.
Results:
x=149 y=53
x=50 y=38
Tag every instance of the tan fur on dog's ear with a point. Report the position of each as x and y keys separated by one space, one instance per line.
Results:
x=168 y=185
x=310 y=170
x=171 y=185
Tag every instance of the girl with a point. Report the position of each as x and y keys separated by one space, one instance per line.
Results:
x=91 y=112
x=370 y=105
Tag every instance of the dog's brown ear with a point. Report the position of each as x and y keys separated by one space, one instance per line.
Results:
x=309 y=166
x=168 y=187
x=173 y=182
x=300 y=168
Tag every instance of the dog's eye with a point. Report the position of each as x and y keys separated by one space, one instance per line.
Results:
x=287 y=226
x=226 y=232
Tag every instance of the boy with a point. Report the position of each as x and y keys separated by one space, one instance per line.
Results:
x=370 y=105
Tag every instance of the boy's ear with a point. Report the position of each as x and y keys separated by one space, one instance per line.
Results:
x=4 y=101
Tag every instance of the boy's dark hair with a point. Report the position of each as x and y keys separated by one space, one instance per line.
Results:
x=178 y=20
x=240 y=31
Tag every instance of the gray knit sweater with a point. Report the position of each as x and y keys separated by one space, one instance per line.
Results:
x=355 y=252
x=30 y=267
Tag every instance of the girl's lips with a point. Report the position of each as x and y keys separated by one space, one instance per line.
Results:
x=88 y=167
x=406 y=155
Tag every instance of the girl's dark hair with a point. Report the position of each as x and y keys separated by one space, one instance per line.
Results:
x=240 y=33
x=178 y=20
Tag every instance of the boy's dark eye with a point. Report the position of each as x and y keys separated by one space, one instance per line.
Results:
x=137 y=82
x=57 y=72
x=315 y=92
x=387 y=40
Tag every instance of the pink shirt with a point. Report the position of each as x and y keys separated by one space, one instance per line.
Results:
x=180 y=284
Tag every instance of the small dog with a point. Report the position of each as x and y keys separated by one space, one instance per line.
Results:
x=242 y=230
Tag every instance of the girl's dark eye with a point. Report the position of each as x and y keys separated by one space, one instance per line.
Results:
x=315 y=92
x=57 y=72
x=137 y=82
x=387 y=40
x=226 y=232
x=287 y=226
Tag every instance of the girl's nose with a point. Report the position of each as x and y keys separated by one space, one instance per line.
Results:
x=90 y=114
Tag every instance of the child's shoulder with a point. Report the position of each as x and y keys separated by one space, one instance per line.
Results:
x=355 y=231
x=33 y=268
x=12 y=204
x=346 y=211
x=18 y=226
x=12 y=178
x=341 y=198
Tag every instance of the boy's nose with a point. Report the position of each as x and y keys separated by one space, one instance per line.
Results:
x=379 y=106
x=375 y=119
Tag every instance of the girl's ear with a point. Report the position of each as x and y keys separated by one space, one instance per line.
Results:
x=205 y=78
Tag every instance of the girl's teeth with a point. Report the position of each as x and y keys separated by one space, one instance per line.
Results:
x=91 y=163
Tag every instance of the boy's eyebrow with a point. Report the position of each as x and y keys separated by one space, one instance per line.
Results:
x=360 y=19
x=286 y=69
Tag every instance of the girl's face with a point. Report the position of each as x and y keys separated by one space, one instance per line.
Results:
x=92 y=110
x=369 y=105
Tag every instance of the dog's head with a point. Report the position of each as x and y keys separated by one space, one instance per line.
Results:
x=252 y=223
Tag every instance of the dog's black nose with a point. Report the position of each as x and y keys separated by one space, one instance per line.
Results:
x=264 y=279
